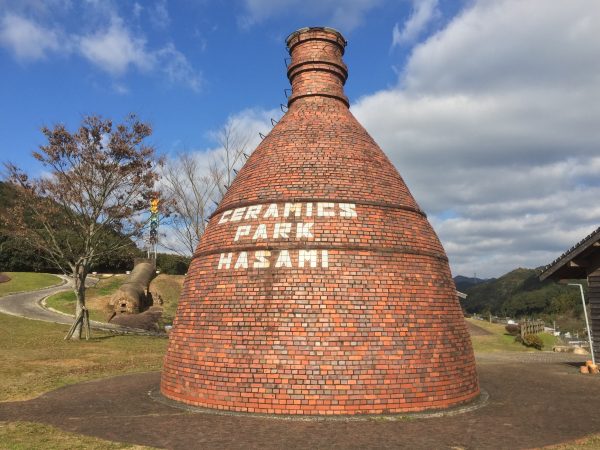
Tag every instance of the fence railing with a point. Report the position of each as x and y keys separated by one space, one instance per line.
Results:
x=531 y=327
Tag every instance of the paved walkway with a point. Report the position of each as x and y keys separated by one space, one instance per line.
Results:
x=543 y=402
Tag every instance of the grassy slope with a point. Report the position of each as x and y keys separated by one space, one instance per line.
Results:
x=65 y=302
x=27 y=281
x=499 y=341
x=169 y=287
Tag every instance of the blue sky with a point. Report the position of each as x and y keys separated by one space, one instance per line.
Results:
x=185 y=65
x=489 y=109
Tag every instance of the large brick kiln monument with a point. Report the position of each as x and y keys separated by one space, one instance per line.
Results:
x=319 y=286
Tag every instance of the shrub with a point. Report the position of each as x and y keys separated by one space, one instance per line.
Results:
x=531 y=340
x=172 y=264
x=513 y=329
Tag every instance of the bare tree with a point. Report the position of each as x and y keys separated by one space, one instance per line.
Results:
x=189 y=190
x=89 y=205
x=193 y=191
x=234 y=145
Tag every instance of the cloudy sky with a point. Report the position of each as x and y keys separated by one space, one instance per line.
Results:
x=490 y=109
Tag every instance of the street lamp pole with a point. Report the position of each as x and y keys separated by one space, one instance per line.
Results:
x=587 y=323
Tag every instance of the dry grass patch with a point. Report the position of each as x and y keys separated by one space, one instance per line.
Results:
x=36 y=358
x=29 y=435
x=169 y=287
x=588 y=443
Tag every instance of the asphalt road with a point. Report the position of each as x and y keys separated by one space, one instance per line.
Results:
x=27 y=304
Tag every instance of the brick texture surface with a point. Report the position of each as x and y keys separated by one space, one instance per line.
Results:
x=319 y=286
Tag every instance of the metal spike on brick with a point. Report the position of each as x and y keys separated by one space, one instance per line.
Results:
x=319 y=286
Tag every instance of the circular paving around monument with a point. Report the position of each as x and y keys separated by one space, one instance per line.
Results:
x=536 y=399
x=472 y=405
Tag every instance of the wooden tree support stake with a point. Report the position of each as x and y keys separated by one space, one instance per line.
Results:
x=82 y=319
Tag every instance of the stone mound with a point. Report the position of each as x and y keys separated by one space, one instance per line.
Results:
x=147 y=320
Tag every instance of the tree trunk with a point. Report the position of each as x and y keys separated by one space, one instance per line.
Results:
x=79 y=276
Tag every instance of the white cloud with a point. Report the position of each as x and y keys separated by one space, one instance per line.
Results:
x=114 y=49
x=137 y=10
x=108 y=43
x=244 y=126
x=494 y=127
x=159 y=15
x=345 y=16
x=177 y=68
x=423 y=12
x=120 y=89
x=247 y=124
x=28 y=40
x=40 y=8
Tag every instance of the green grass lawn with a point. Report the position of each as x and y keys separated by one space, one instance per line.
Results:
x=107 y=286
x=27 y=281
x=500 y=341
x=65 y=301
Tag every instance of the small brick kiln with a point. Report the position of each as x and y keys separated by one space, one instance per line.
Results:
x=319 y=286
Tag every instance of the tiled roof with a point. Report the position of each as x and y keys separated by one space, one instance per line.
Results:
x=574 y=251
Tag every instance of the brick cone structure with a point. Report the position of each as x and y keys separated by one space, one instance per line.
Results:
x=319 y=286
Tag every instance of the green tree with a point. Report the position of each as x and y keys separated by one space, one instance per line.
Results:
x=88 y=206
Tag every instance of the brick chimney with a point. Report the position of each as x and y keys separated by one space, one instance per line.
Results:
x=316 y=68
x=319 y=286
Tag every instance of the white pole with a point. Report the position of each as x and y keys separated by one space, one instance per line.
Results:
x=587 y=323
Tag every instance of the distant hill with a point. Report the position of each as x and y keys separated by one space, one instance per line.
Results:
x=520 y=293
x=462 y=283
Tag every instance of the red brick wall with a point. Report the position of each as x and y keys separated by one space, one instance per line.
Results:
x=343 y=303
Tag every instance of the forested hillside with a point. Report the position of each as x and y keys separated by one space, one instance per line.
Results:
x=520 y=293
x=463 y=283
